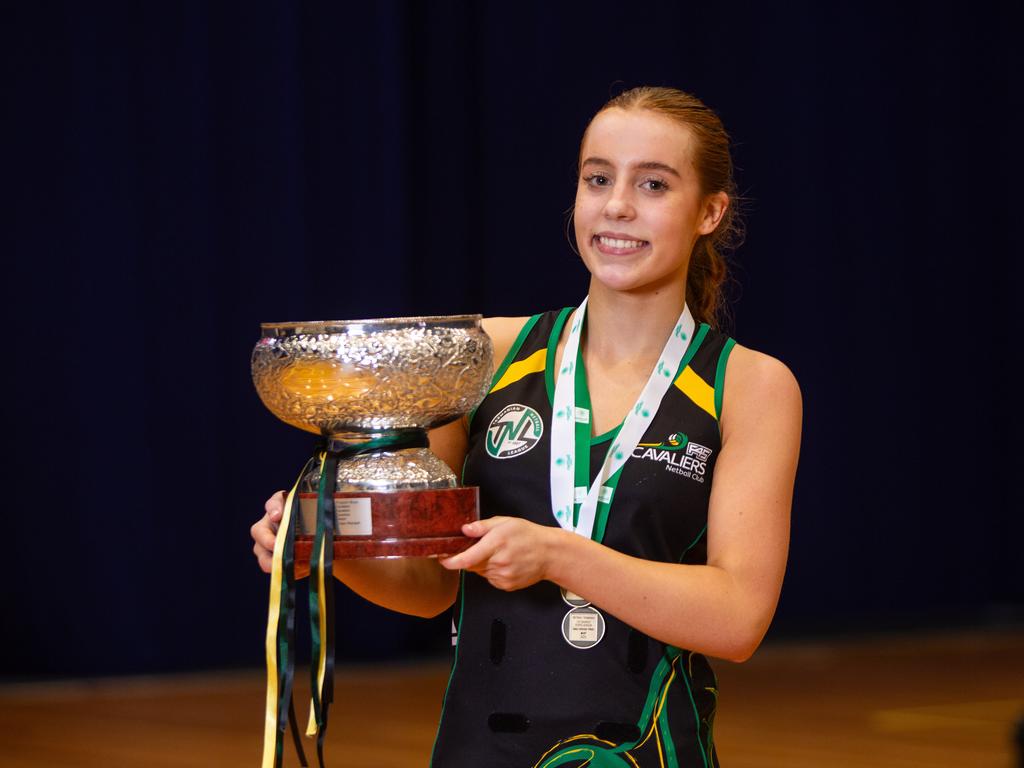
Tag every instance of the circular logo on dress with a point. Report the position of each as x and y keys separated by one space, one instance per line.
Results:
x=583 y=627
x=573 y=600
x=513 y=431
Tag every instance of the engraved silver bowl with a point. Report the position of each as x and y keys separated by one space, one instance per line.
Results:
x=355 y=380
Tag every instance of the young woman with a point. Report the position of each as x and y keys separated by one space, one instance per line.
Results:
x=636 y=470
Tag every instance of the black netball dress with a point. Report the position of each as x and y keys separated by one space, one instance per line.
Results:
x=532 y=685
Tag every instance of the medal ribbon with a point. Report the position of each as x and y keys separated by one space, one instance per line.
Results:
x=574 y=500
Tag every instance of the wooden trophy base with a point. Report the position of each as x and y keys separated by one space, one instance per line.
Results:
x=393 y=524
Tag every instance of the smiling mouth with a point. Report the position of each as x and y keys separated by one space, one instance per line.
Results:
x=619 y=244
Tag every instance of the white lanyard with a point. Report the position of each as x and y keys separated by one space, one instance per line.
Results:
x=566 y=447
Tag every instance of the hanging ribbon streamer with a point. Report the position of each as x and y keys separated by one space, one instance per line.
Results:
x=321 y=605
x=280 y=708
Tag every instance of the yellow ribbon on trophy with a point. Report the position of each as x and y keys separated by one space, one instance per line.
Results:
x=279 y=639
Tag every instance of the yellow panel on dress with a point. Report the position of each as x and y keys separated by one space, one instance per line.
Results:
x=698 y=390
x=535 y=363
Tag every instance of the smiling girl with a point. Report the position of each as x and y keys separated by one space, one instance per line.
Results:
x=636 y=472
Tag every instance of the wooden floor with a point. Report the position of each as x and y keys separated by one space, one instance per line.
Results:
x=923 y=701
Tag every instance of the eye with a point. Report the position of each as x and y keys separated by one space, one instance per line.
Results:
x=597 y=180
x=654 y=185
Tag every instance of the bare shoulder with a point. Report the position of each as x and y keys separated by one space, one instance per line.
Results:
x=758 y=388
x=503 y=332
x=755 y=373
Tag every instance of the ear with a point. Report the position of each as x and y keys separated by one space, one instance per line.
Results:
x=715 y=206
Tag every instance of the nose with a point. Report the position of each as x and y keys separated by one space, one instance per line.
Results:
x=619 y=205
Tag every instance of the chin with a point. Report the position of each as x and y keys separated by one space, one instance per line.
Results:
x=621 y=281
x=633 y=276
x=612 y=281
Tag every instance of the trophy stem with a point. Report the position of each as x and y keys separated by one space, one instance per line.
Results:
x=351 y=444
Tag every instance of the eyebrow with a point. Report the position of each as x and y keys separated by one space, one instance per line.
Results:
x=652 y=165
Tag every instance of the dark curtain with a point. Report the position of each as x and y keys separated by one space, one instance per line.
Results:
x=177 y=173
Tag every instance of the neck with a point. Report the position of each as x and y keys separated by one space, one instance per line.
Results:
x=624 y=326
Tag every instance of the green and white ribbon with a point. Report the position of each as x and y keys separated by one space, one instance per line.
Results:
x=574 y=500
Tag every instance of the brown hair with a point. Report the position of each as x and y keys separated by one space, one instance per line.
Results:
x=712 y=160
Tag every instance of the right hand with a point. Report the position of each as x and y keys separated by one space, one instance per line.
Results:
x=264 y=534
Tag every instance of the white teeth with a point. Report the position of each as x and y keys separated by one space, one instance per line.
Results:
x=612 y=242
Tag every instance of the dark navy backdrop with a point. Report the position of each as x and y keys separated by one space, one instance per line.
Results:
x=179 y=172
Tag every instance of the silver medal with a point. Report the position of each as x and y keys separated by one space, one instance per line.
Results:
x=583 y=627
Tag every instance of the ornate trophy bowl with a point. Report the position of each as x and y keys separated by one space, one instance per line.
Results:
x=371 y=389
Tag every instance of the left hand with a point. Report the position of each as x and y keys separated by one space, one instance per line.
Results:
x=511 y=553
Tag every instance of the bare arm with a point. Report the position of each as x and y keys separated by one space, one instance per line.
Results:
x=723 y=608
x=417 y=586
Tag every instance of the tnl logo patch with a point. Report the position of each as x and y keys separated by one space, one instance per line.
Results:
x=514 y=431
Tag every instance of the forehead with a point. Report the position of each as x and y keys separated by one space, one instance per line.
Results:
x=627 y=137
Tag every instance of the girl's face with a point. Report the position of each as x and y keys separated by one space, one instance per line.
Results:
x=639 y=207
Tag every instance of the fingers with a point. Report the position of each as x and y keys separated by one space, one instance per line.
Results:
x=264 y=558
x=480 y=552
x=450 y=562
x=263 y=534
x=471 y=558
x=274 y=507
x=478 y=528
x=264 y=531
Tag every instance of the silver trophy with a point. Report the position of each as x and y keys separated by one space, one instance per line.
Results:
x=371 y=389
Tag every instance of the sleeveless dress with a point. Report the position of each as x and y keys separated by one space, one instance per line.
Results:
x=520 y=694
